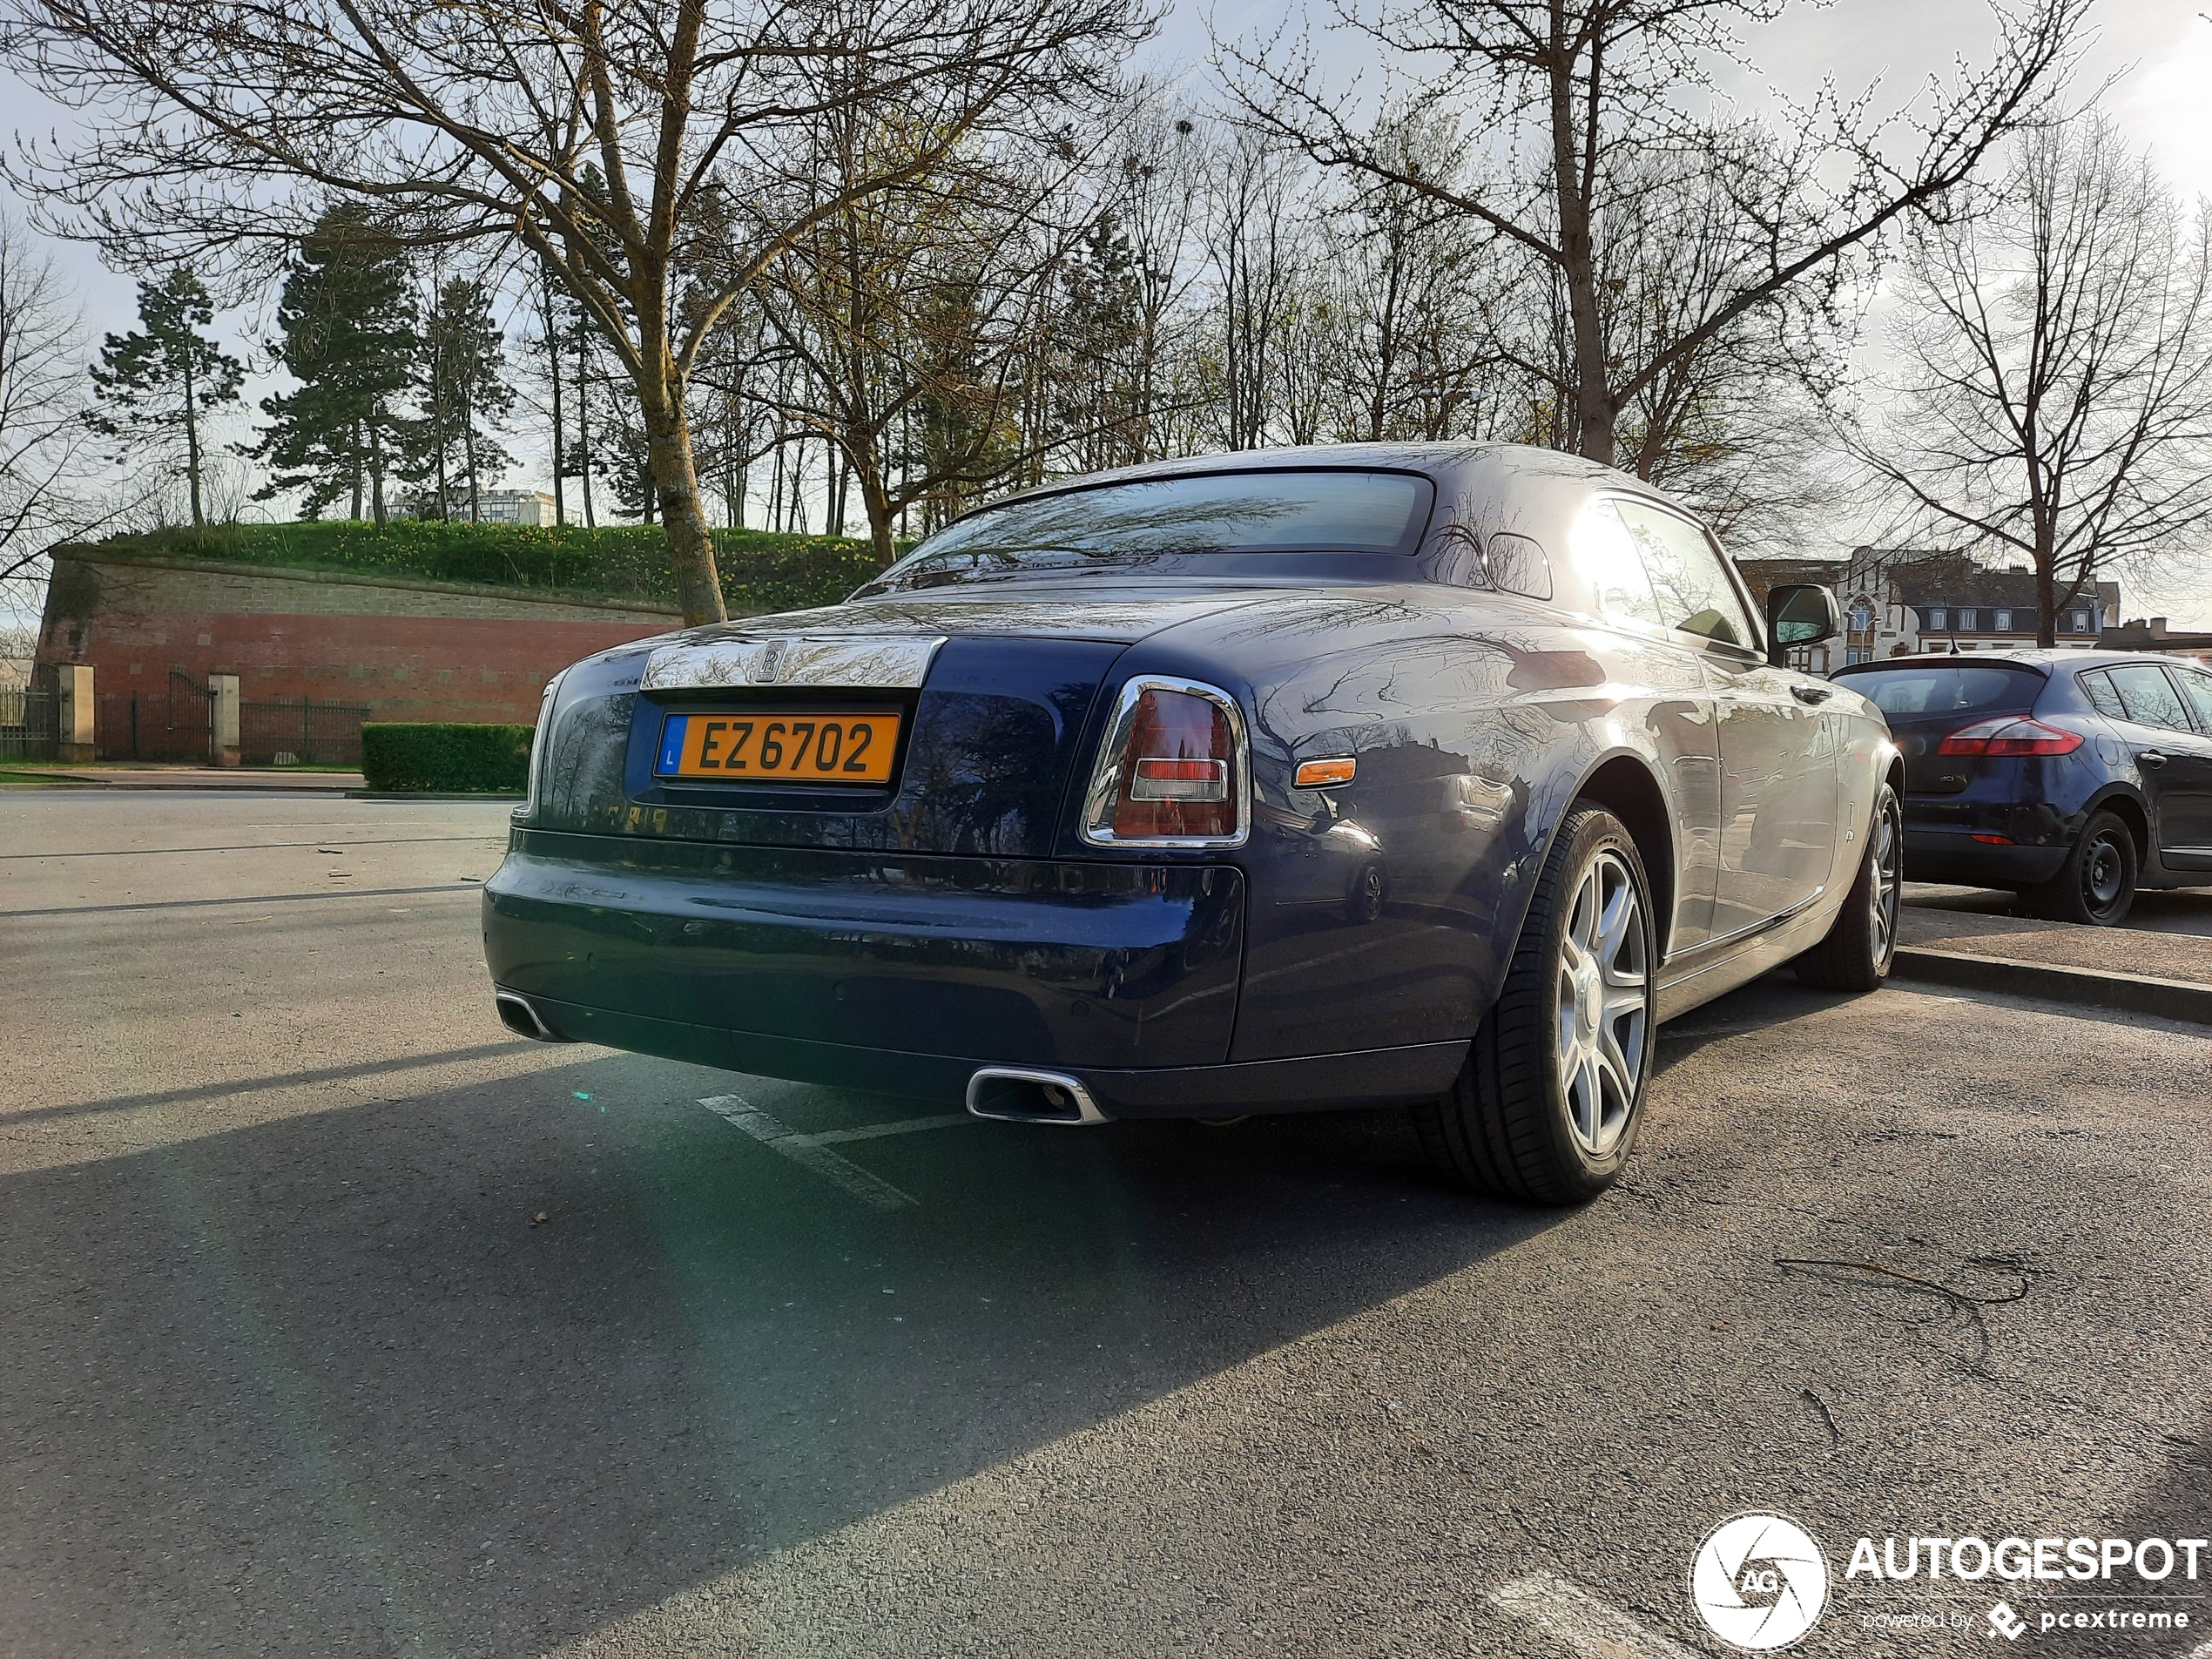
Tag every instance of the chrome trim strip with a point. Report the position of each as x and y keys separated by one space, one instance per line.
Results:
x=857 y=661
x=1086 y=1108
x=1106 y=770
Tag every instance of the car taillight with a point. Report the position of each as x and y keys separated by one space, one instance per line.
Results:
x=1171 y=772
x=2010 y=734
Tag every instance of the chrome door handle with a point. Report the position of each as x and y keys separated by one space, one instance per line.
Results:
x=2150 y=758
x=1812 y=693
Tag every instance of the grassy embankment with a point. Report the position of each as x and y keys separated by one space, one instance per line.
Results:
x=761 y=570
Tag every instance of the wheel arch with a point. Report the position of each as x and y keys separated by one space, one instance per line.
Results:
x=1625 y=785
x=2126 y=806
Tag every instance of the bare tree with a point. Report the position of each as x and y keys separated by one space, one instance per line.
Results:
x=592 y=133
x=44 y=443
x=1574 y=92
x=2054 y=394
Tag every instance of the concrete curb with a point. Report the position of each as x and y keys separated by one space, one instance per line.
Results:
x=2169 y=999
x=233 y=783
x=408 y=794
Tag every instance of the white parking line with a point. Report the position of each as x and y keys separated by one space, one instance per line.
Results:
x=1583 y=1623
x=804 y=1150
x=902 y=1126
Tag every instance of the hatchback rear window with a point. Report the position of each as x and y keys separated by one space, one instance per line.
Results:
x=1943 y=688
x=1243 y=512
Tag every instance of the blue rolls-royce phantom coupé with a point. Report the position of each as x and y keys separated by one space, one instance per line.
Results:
x=1431 y=775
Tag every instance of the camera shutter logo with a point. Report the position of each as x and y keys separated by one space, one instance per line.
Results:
x=1759 y=1581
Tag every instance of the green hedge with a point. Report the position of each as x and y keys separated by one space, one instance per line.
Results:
x=445 y=760
x=760 y=570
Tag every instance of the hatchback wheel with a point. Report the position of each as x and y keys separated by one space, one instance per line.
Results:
x=2096 y=885
x=1546 y=1108
x=1856 y=952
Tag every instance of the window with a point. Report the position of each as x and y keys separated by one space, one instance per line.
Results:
x=1519 y=564
x=2149 y=696
x=2003 y=623
x=2080 y=620
x=1202 y=514
x=1606 y=555
x=1936 y=619
x=1931 y=688
x=2102 y=697
x=2196 y=691
x=1688 y=578
x=1967 y=619
x=1862 y=617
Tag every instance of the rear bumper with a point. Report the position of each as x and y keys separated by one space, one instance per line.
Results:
x=760 y=957
x=1369 y=1077
x=1953 y=855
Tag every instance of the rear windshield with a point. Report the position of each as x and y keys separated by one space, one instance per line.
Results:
x=1243 y=512
x=1929 y=688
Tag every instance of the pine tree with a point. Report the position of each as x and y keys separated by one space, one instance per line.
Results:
x=160 y=385
x=347 y=324
x=461 y=390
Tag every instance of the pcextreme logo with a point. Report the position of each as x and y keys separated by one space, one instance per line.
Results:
x=1759 y=1581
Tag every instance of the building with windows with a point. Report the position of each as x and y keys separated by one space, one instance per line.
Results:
x=515 y=507
x=1897 y=601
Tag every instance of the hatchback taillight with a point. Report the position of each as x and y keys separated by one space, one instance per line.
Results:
x=2010 y=734
x=1171 y=772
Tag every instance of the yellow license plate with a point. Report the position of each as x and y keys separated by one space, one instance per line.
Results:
x=780 y=746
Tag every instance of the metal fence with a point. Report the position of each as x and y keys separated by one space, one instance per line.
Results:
x=317 y=734
x=152 y=725
x=29 y=724
x=174 y=726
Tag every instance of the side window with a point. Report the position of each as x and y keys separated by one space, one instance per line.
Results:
x=1688 y=579
x=2149 y=696
x=1518 y=564
x=2102 y=698
x=2197 y=687
x=1606 y=557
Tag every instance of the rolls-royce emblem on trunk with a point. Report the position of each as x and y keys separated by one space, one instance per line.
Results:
x=771 y=659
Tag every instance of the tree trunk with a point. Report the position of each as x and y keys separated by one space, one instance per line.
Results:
x=1594 y=409
x=2046 y=601
x=877 y=500
x=191 y=435
x=683 y=510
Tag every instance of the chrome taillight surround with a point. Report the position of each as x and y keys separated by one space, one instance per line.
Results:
x=545 y=699
x=1112 y=755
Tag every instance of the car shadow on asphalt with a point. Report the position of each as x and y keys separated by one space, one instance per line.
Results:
x=483 y=1368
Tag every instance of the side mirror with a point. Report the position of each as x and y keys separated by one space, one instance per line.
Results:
x=1800 y=614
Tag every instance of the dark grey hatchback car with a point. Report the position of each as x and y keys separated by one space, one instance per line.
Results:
x=2073 y=777
x=1425 y=775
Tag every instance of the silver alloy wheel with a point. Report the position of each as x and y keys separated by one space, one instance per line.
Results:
x=1604 y=1004
x=1887 y=888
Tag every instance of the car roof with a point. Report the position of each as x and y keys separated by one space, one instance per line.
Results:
x=2046 y=658
x=1431 y=459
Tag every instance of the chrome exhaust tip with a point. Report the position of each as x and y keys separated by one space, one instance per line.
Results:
x=1011 y=1095
x=518 y=1016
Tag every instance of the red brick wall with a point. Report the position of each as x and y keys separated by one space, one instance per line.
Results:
x=413 y=649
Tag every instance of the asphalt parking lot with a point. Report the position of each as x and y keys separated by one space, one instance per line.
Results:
x=337 y=1321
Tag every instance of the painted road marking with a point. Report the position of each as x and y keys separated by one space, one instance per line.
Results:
x=804 y=1150
x=903 y=1126
x=1578 y=1619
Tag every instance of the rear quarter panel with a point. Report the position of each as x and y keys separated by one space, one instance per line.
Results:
x=1474 y=718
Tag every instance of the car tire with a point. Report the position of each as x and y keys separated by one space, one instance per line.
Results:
x=2095 y=887
x=1856 y=952
x=1547 y=1107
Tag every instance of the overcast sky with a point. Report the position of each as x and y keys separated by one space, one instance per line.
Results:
x=2158 y=53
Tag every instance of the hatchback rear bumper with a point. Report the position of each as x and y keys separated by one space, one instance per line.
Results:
x=1953 y=855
